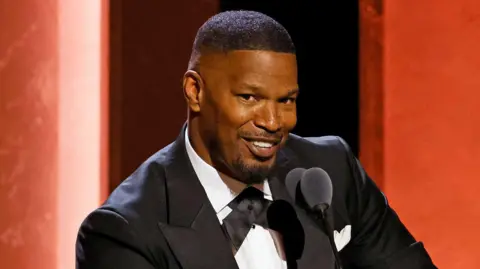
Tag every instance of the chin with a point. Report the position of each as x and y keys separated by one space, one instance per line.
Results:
x=252 y=171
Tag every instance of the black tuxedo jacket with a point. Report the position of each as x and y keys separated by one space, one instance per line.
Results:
x=160 y=217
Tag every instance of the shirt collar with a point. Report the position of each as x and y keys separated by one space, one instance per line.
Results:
x=217 y=191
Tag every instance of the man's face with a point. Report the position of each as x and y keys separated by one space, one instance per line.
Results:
x=247 y=110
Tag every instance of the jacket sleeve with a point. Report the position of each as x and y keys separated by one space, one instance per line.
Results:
x=106 y=241
x=379 y=239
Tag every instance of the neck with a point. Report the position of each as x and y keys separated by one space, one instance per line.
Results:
x=237 y=186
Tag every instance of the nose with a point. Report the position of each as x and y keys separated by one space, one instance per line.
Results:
x=268 y=118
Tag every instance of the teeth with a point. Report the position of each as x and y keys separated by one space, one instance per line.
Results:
x=262 y=144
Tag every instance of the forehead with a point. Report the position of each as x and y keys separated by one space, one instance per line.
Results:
x=254 y=66
x=268 y=62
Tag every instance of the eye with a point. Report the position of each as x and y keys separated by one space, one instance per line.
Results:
x=288 y=100
x=247 y=97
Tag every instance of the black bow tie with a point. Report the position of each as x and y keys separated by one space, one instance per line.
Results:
x=248 y=208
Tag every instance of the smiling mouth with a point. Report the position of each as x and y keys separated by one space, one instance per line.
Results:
x=261 y=144
x=262 y=149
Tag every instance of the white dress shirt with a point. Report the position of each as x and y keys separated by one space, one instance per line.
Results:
x=259 y=249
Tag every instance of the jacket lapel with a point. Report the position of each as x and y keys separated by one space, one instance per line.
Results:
x=193 y=231
x=317 y=252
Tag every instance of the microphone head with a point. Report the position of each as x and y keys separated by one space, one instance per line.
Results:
x=292 y=180
x=316 y=188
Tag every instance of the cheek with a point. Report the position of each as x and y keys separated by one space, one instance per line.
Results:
x=289 y=120
x=235 y=114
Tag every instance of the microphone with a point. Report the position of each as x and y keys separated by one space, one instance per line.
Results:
x=314 y=188
x=317 y=190
x=291 y=181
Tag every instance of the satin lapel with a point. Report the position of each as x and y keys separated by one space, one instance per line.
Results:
x=317 y=252
x=193 y=230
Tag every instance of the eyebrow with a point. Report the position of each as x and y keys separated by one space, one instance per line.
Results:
x=293 y=92
x=252 y=87
x=257 y=88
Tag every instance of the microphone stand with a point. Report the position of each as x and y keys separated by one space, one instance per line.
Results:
x=320 y=212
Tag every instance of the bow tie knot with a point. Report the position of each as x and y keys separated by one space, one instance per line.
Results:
x=248 y=208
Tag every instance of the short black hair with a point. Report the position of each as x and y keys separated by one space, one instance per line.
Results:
x=241 y=30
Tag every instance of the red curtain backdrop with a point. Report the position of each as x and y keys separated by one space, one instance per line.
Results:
x=53 y=135
x=421 y=60
x=28 y=134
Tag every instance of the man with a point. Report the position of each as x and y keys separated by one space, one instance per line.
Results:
x=185 y=206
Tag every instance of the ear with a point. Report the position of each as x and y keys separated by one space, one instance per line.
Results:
x=193 y=90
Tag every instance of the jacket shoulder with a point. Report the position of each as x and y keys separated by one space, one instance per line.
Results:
x=322 y=145
x=142 y=195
